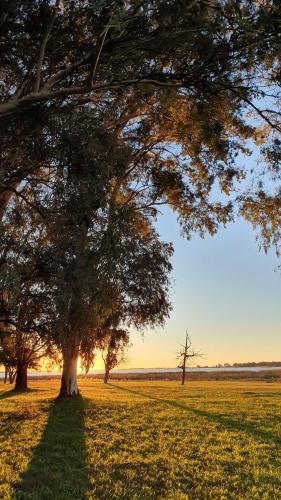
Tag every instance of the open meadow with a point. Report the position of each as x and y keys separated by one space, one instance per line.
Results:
x=142 y=440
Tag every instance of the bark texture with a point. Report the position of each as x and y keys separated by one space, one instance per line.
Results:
x=183 y=376
x=12 y=375
x=21 y=377
x=69 y=386
x=106 y=376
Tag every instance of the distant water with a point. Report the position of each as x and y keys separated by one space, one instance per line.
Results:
x=164 y=370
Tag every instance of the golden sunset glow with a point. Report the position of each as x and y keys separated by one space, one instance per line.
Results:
x=140 y=249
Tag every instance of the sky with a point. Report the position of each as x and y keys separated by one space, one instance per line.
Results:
x=225 y=292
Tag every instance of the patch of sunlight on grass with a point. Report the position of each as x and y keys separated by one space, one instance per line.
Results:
x=142 y=440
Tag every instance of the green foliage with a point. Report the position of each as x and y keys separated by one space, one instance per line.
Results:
x=113 y=344
x=26 y=308
x=97 y=254
x=263 y=210
x=189 y=72
x=8 y=351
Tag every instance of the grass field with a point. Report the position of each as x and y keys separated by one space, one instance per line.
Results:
x=142 y=440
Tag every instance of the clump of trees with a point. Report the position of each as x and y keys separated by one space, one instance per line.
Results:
x=90 y=250
x=20 y=351
x=26 y=312
x=139 y=105
x=8 y=358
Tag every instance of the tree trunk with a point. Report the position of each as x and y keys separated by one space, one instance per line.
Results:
x=69 y=385
x=183 y=376
x=12 y=374
x=21 y=377
x=6 y=375
x=106 y=376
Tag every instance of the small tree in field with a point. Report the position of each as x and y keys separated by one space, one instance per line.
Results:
x=10 y=374
x=114 y=345
x=186 y=352
x=8 y=358
x=25 y=325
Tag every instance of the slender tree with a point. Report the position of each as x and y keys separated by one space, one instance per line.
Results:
x=113 y=345
x=185 y=354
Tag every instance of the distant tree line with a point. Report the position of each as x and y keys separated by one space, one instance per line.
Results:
x=258 y=363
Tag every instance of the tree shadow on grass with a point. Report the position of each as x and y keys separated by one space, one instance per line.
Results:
x=7 y=394
x=12 y=393
x=226 y=422
x=58 y=470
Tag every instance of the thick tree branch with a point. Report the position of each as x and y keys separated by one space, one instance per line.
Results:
x=13 y=106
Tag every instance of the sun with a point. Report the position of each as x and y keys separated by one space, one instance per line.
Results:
x=97 y=365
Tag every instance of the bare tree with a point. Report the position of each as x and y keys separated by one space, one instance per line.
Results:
x=185 y=353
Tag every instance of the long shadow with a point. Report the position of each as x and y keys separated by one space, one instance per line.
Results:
x=57 y=470
x=7 y=394
x=12 y=393
x=229 y=423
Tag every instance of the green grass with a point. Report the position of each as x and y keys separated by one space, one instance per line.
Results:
x=142 y=440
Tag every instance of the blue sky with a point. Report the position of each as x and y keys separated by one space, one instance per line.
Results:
x=225 y=291
x=227 y=294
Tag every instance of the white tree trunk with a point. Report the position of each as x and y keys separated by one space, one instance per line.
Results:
x=69 y=386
